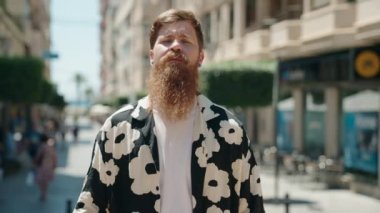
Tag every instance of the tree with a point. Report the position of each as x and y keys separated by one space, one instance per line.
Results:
x=89 y=94
x=239 y=84
x=79 y=80
x=21 y=79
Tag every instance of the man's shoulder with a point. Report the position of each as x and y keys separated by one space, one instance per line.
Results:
x=212 y=110
x=136 y=110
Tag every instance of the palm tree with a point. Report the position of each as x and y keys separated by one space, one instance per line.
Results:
x=89 y=94
x=79 y=80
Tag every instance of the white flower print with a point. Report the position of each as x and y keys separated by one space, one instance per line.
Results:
x=243 y=206
x=157 y=205
x=88 y=203
x=231 y=132
x=142 y=171
x=215 y=209
x=202 y=156
x=240 y=170
x=194 y=202
x=206 y=108
x=144 y=103
x=108 y=172
x=254 y=178
x=97 y=161
x=120 y=139
x=216 y=184
x=209 y=145
x=107 y=125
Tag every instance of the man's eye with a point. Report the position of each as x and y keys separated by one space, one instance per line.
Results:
x=167 y=40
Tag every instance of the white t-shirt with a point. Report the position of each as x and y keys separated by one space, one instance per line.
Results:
x=174 y=146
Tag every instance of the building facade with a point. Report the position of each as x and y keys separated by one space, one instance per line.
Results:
x=25 y=29
x=325 y=47
x=125 y=47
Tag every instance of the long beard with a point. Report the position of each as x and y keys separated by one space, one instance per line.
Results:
x=173 y=88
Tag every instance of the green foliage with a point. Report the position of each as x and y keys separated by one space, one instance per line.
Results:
x=141 y=94
x=47 y=92
x=120 y=101
x=241 y=84
x=21 y=79
x=58 y=101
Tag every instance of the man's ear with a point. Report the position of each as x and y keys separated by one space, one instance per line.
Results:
x=201 y=57
x=151 y=57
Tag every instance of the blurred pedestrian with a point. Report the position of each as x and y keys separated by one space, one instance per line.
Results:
x=175 y=150
x=45 y=163
x=75 y=132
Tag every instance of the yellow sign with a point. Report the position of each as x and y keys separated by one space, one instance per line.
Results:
x=367 y=64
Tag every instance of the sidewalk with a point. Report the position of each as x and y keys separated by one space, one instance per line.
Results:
x=17 y=197
x=308 y=196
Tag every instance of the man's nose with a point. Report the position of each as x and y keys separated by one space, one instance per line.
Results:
x=176 y=46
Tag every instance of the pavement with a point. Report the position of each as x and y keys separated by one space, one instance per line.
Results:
x=16 y=196
x=306 y=196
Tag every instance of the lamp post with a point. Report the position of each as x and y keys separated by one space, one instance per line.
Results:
x=275 y=91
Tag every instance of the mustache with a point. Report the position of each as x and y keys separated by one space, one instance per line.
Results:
x=175 y=55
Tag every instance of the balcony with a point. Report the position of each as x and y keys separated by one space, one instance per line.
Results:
x=368 y=20
x=256 y=45
x=228 y=50
x=328 y=28
x=285 y=38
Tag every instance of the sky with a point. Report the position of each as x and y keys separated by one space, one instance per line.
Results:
x=75 y=37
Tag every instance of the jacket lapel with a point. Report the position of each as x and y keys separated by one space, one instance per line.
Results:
x=200 y=137
x=142 y=119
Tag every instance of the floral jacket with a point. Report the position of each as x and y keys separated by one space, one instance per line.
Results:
x=124 y=171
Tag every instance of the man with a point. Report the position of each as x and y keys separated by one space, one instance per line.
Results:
x=175 y=150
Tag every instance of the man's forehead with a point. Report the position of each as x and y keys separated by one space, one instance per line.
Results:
x=177 y=28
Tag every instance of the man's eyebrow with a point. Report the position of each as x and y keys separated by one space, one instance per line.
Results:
x=180 y=33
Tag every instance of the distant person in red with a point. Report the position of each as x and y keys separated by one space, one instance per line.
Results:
x=45 y=162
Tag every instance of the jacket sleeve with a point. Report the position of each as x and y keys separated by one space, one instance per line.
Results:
x=251 y=199
x=93 y=197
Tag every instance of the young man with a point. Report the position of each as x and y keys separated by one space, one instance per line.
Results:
x=175 y=150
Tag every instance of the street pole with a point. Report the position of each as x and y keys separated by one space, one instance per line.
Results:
x=275 y=91
x=378 y=143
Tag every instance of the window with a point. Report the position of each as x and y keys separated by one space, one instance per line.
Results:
x=4 y=46
x=316 y=4
x=285 y=9
x=231 y=34
x=250 y=13
x=206 y=27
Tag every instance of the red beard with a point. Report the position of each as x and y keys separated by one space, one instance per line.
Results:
x=173 y=85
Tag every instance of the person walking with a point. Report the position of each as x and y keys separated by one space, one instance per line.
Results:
x=175 y=150
x=45 y=164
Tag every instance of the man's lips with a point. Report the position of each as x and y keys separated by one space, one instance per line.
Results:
x=179 y=59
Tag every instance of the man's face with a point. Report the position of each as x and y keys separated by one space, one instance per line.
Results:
x=173 y=80
x=178 y=41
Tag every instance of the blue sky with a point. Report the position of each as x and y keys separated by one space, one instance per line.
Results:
x=75 y=37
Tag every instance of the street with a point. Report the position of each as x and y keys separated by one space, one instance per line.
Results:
x=73 y=160
x=305 y=196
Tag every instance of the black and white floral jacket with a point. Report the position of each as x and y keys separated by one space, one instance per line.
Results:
x=124 y=171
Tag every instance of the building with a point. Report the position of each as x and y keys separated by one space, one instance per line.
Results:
x=124 y=44
x=24 y=32
x=25 y=29
x=326 y=48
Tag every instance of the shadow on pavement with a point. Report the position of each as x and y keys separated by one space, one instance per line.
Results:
x=17 y=197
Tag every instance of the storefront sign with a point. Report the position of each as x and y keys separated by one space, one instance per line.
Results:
x=367 y=64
